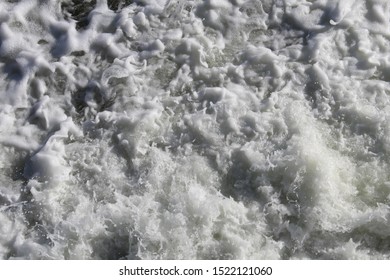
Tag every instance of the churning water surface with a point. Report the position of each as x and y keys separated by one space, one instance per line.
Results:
x=175 y=129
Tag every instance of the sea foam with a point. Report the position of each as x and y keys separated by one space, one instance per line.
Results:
x=158 y=129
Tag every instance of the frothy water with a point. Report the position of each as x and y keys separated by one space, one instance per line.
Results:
x=215 y=129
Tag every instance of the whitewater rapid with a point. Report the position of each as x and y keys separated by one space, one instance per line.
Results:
x=215 y=129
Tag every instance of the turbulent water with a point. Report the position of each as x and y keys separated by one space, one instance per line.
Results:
x=175 y=129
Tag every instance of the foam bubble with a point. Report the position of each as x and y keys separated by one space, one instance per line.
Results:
x=194 y=130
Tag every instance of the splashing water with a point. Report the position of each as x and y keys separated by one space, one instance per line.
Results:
x=229 y=129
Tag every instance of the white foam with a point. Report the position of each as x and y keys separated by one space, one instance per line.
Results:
x=194 y=130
